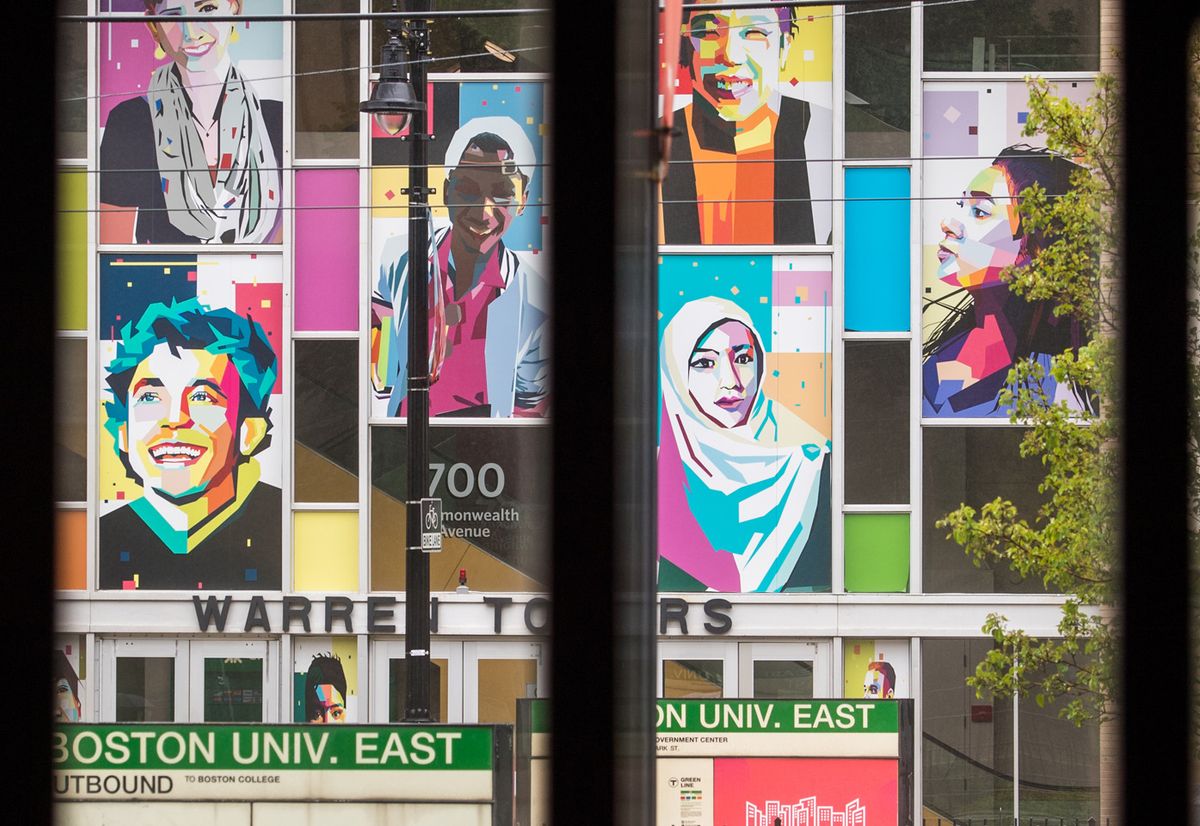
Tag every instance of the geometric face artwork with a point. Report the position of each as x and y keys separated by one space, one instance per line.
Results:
x=744 y=437
x=875 y=669
x=754 y=107
x=488 y=269
x=191 y=125
x=974 y=329
x=69 y=679
x=325 y=680
x=190 y=381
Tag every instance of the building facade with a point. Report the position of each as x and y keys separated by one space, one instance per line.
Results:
x=833 y=339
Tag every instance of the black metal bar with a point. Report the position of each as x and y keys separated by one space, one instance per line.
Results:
x=416 y=571
x=1156 y=398
x=604 y=326
x=27 y=609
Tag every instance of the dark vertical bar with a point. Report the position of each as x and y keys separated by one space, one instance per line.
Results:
x=1156 y=401
x=416 y=570
x=604 y=365
x=26 y=608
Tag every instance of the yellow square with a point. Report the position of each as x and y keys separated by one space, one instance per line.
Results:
x=265 y=303
x=529 y=120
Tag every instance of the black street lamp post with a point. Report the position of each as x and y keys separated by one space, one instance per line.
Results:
x=396 y=102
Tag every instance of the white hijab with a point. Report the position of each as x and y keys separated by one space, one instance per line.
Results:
x=245 y=197
x=770 y=466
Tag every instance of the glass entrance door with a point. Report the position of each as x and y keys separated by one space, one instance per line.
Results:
x=145 y=681
x=233 y=681
x=763 y=670
x=500 y=673
x=389 y=681
x=785 y=670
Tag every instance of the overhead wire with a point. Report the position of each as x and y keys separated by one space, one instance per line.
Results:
x=440 y=58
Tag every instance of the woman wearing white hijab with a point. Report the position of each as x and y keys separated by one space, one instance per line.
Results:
x=740 y=477
x=200 y=148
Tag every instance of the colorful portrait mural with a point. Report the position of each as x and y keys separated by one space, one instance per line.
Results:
x=488 y=296
x=191 y=382
x=325 y=680
x=67 y=676
x=754 y=94
x=744 y=435
x=875 y=669
x=191 y=125
x=974 y=329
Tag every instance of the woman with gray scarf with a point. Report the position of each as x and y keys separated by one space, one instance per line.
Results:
x=197 y=156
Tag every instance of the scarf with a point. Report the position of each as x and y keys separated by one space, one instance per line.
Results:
x=752 y=488
x=245 y=196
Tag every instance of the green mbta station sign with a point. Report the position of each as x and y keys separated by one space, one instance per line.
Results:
x=829 y=728
x=278 y=762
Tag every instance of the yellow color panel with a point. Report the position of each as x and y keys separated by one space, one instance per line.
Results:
x=70 y=545
x=810 y=59
x=72 y=250
x=857 y=655
x=346 y=650
x=326 y=551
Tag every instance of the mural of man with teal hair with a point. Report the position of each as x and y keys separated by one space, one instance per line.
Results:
x=188 y=411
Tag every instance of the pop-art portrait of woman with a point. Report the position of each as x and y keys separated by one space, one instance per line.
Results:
x=975 y=328
x=743 y=477
x=191 y=143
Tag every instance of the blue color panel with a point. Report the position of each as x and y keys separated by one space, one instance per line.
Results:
x=877 y=250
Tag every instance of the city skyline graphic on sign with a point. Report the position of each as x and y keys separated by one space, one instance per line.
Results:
x=805 y=812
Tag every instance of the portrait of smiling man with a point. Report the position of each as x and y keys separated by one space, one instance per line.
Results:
x=188 y=411
x=488 y=330
x=738 y=172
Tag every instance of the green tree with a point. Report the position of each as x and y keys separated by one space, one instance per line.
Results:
x=1070 y=543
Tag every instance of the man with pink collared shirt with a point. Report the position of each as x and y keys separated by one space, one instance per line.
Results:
x=488 y=321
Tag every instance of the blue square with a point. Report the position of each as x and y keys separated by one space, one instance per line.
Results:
x=124 y=556
x=1022 y=117
x=252 y=574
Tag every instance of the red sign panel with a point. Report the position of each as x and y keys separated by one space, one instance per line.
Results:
x=762 y=791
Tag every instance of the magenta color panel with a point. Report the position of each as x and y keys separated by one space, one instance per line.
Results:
x=326 y=285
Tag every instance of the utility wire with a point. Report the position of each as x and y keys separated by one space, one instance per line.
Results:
x=544 y=204
x=432 y=59
x=327 y=164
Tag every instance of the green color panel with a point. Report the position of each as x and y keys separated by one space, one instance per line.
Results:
x=877 y=553
x=72 y=250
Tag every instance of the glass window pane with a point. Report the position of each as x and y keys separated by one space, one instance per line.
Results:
x=496 y=498
x=70 y=420
x=326 y=391
x=439 y=689
x=877 y=80
x=71 y=74
x=783 y=679
x=517 y=43
x=145 y=689
x=233 y=690
x=327 y=82
x=501 y=682
x=974 y=465
x=1060 y=764
x=967 y=746
x=876 y=556
x=703 y=679
x=877 y=420
x=1013 y=36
